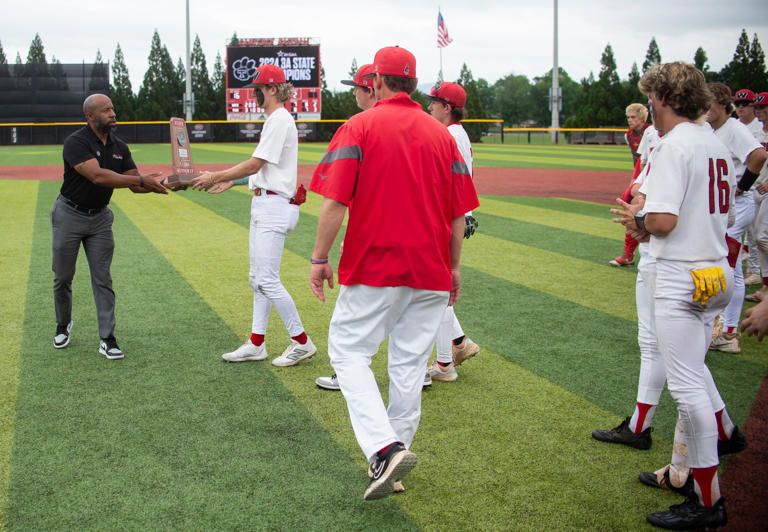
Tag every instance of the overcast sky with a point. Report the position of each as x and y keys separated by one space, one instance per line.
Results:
x=494 y=37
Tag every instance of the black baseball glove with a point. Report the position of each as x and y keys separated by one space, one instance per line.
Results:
x=470 y=225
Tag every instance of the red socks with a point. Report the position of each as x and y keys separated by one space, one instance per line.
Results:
x=704 y=477
x=257 y=339
x=301 y=338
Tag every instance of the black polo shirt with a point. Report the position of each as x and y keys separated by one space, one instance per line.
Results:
x=82 y=145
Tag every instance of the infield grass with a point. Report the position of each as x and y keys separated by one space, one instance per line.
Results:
x=172 y=438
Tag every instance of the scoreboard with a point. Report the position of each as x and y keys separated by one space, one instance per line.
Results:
x=298 y=57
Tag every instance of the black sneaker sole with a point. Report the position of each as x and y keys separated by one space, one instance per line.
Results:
x=642 y=444
x=401 y=465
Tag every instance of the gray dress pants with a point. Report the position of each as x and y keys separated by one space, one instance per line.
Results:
x=71 y=228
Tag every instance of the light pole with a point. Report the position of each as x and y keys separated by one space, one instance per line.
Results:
x=555 y=97
x=188 y=97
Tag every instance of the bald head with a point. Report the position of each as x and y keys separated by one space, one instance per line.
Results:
x=99 y=113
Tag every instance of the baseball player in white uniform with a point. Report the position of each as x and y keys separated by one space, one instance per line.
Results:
x=760 y=224
x=453 y=346
x=689 y=188
x=274 y=212
x=748 y=159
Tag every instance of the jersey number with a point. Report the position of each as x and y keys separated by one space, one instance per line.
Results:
x=719 y=190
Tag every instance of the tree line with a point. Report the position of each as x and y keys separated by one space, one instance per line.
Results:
x=517 y=100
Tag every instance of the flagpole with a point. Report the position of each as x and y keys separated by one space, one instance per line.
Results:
x=440 y=48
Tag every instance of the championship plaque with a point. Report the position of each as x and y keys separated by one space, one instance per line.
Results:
x=183 y=167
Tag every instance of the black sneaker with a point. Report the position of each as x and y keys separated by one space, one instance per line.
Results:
x=108 y=348
x=690 y=515
x=650 y=479
x=736 y=444
x=623 y=434
x=387 y=469
x=62 y=335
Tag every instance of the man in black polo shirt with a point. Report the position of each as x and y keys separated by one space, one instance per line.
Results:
x=95 y=163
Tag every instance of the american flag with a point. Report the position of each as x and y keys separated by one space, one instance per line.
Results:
x=442 y=32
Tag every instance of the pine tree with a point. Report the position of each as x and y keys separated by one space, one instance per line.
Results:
x=652 y=56
x=219 y=87
x=36 y=65
x=99 y=81
x=353 y=69
x=59 y=81
x=757 y=79
x=473 y=106
x=608 y=73
x=120 y=91
x=633 y=92
x=4 y=70
x=736 y=73
x=234 y=40
x=201 y=83
x=700 y=60
x=159 y=97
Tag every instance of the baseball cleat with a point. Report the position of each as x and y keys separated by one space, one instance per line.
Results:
x=108 y=348
x=397 y=487
x=387 y=469
x=61 y=339
x=427 y=380
x=442 y=374
x=663 y=482
x=690 y=515
x=752 y=278
x=623 y=434
x=726 y=345
x=246 y=352
x=328 y=383
x=295 y=353
x=622 y=261
x=735 y=444
x=466 y=349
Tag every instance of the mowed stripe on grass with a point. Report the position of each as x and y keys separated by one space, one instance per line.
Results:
x=18 y=199
x=482 y=468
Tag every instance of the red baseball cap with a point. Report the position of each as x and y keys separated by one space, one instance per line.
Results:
x=268 y=75
x=360 y=79
x=450 y=93
x=394 y=61
x=761 y=99
x=744 y=95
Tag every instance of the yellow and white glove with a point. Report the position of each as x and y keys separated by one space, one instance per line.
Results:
x=707 y=282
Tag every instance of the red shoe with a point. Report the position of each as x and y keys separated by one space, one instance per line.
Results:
x=622 y=261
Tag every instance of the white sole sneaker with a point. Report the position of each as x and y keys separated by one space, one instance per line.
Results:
x=295 y=353
x=60 y=341
x=246 y=352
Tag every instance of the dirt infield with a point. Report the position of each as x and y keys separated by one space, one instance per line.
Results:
x=745 y=482
x=597 y=186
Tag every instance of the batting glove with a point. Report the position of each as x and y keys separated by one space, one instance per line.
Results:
x=707 y=282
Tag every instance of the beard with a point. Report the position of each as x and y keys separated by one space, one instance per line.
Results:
x=259 y=96
x=104 y=127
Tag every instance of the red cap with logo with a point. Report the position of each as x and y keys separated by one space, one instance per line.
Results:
x=761 y=99
x=744 y=95
x=394 y=61
x=451 y=93
x=268 y=75
x=360 y=77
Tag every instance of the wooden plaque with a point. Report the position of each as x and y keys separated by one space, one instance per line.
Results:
x=181 y=153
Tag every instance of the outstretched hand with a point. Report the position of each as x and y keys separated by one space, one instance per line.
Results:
x=153 y=184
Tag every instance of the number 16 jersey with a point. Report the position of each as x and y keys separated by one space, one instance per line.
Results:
x=691 y=175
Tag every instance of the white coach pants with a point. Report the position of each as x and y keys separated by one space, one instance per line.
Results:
x=684 y=332
x=363 y=317
x=272 y=218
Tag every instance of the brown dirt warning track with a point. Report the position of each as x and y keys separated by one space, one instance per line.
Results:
x=745 y=481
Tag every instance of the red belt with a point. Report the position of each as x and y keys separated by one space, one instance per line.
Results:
x=260 y=191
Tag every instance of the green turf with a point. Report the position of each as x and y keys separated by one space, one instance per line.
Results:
x=507 y=155
x=171 y=438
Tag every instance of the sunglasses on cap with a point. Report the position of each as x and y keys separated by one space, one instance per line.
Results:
x=433 y=95
x=742 y=104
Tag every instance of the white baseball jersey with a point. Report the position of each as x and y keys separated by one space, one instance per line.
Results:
x=691 y=176
x=739 y=141
x=462 y=141
x=649 y=141
x=755 y=127
x=763 y=140
x=279 y=147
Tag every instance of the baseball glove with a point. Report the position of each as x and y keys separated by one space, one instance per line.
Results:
x=707 y=282
x=470 y=225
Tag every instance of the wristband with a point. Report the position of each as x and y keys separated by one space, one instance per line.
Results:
x=141 y=181
x=640 y=222
x=319 y=261
x=747 y=180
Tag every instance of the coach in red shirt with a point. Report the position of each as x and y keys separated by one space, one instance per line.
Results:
x=401 y=176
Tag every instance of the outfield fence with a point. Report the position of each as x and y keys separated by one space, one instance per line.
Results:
x=479 y=130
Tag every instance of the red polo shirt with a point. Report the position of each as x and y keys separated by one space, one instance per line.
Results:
x=408 y=182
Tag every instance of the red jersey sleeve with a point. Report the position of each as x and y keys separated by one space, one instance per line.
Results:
x=335 y=176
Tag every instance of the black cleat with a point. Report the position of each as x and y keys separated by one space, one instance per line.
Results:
x=736 y=444
x=690 y=515
x=650 y=479
x=623 y=434
x=387 y=469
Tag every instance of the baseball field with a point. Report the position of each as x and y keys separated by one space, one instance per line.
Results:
x=172 y=438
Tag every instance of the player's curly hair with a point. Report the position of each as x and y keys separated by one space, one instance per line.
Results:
x=682 y=86
x=639 y=109
x=284 y=91
x=722 y=94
